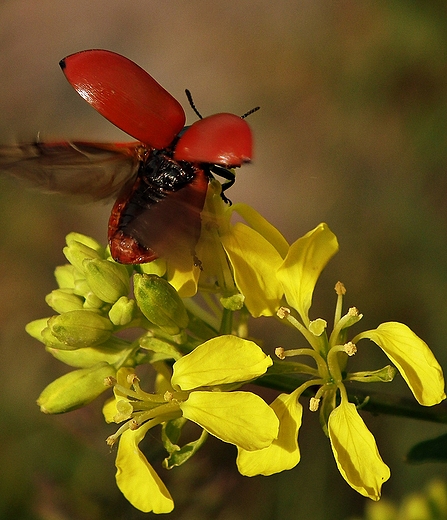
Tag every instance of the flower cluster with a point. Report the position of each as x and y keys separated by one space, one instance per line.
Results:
x=202 y=359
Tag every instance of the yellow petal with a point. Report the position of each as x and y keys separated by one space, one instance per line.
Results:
x=254 y=261
x=221 y=360
x=136 y=478
x=184 y=280
x=256 y=221
x=356 y=452
x=413 y=358
x=157 y=267
x=284 y=452
x=109 y=409
x=302 y=266
x=240 y=418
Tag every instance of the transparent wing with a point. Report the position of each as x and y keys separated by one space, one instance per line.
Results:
x=85 y=171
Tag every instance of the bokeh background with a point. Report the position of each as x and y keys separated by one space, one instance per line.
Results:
x=352 y=131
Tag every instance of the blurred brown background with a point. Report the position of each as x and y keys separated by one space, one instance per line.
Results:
x=352 y=131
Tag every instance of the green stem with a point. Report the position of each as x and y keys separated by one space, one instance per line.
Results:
x=200 y=313
x=291 y=367
x=226 y=325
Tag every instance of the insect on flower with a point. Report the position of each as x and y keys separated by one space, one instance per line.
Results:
x=160 y=181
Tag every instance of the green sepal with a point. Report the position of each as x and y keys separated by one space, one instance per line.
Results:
x=383 y=375
x=179 y=455
x=50 y=340
x=75 y=389
x=162 y=349
x=170 y=433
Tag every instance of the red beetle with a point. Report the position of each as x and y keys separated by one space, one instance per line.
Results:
x=160 y=181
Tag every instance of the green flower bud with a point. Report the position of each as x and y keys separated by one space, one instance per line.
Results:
x=233 y=303
x=92 y=301
x=65 y=276
x=75 y=389
x=107 y=279
x=160 y=303
x=122 y=311
x=81 y=287
x=78 y=329
x=77 y=252
x=114 y=352
x=36 y=327
x=84 y=239
x=63 y=300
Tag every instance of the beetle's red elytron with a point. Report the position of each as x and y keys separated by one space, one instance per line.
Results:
x=160 y=181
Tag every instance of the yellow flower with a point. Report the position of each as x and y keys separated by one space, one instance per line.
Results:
x=354 y=447
x=198 y=392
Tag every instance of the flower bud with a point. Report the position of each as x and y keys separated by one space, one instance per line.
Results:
x=81 y=328
x=81 y=287
x=122 y=311
x=63 y=300
x=84 y=239
x=233 y=303
x=160 y=303
x=36 y=327
x=113 y=351
x=76 y=253
x=65 y=276
x=75 y=389
x=107 y=279
x=92 y=301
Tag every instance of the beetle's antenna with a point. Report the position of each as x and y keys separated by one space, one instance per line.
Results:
x=250 y=112
x=191 y=103
x=193 y=106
